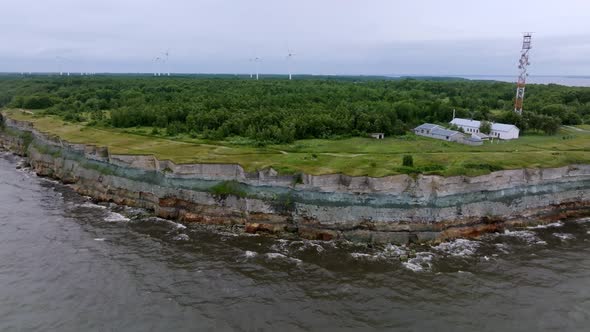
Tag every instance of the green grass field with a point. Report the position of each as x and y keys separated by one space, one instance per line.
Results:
x=352 y=156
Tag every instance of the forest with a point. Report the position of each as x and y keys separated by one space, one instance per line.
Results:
x=276 y=110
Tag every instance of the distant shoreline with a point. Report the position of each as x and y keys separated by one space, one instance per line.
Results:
x=566 y=80
x=577 y=81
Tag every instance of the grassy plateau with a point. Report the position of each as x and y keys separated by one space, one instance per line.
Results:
x=352 y=156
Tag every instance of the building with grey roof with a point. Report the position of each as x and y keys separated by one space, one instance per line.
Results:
x=438 y=132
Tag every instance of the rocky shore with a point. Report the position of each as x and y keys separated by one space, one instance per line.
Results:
x=392 y=209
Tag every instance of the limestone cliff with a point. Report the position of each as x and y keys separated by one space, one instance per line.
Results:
x=390 y=209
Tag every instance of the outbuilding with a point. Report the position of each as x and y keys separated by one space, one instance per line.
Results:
x=378 y=135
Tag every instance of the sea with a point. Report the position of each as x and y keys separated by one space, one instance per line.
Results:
x=579 y=81
x=68 y=263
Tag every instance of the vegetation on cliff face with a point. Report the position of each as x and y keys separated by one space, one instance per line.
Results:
x=275 y=111
x=228 y=188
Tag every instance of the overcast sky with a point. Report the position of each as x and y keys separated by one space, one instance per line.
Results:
x=383 y=37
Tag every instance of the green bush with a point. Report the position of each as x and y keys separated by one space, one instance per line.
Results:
x=408 y=161
x=227 y=188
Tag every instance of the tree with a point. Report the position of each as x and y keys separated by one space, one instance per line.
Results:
x=550 y=125
x=485 y=127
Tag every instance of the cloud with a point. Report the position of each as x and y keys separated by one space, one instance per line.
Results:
x=425 y=37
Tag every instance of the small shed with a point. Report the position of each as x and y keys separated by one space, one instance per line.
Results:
x=481 y=136
x=378 y=135
x=473 y=140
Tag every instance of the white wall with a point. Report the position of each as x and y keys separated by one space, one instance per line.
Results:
x=513 y=134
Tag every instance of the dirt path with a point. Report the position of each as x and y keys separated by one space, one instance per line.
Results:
x=577 y=129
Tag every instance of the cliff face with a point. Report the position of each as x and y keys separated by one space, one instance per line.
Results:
x=390 y=209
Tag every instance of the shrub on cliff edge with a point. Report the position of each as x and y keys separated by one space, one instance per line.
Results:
x=408 y=161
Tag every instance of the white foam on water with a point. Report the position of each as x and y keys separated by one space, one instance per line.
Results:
x=502 y=247
x=280 y=245
x=115 y=217
x=170 y=222
x=389 y=252
x=584 y=220
x=247 y=234
x=360 y=255
x=422 y=261
x=553 y=224
x=393 y=251
x=279 y=256
x=44 y=179
x=526 y=236
x=224 y=233
x=174 y=224
x=273 y=255
x=181 y=237
x=541 y=242
x=564 y=236
x=92 y=206
x=99 y=239
x=250 y=254
x=308 y=244
x=458 y=247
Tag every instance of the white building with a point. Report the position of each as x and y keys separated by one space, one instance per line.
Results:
x=499 y=130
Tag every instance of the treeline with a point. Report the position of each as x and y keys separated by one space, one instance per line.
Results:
x=281 y=111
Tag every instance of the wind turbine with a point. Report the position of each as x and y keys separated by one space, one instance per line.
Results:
x=156 y=66
x=166 y=65
x=59 y=65
x=251 y=71
x=257 y=61
x=60 y=61
x=290 y=55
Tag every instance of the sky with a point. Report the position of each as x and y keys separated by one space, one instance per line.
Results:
x=328 y=37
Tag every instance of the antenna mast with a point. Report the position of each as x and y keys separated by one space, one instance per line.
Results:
x=522 y=66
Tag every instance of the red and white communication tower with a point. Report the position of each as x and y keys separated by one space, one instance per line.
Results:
x=522 y=66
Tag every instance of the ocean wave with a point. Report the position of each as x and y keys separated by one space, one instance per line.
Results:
x=115 y=217
x=308 y=244
x=181 y=237
x=250 y=254
x=280 y=245
x=360 y=255
x=422 y=262
x=279 y=256
x=564 y=236
x=526 y=236
x=502 y=247
x=92 y=206
x=388 y=252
